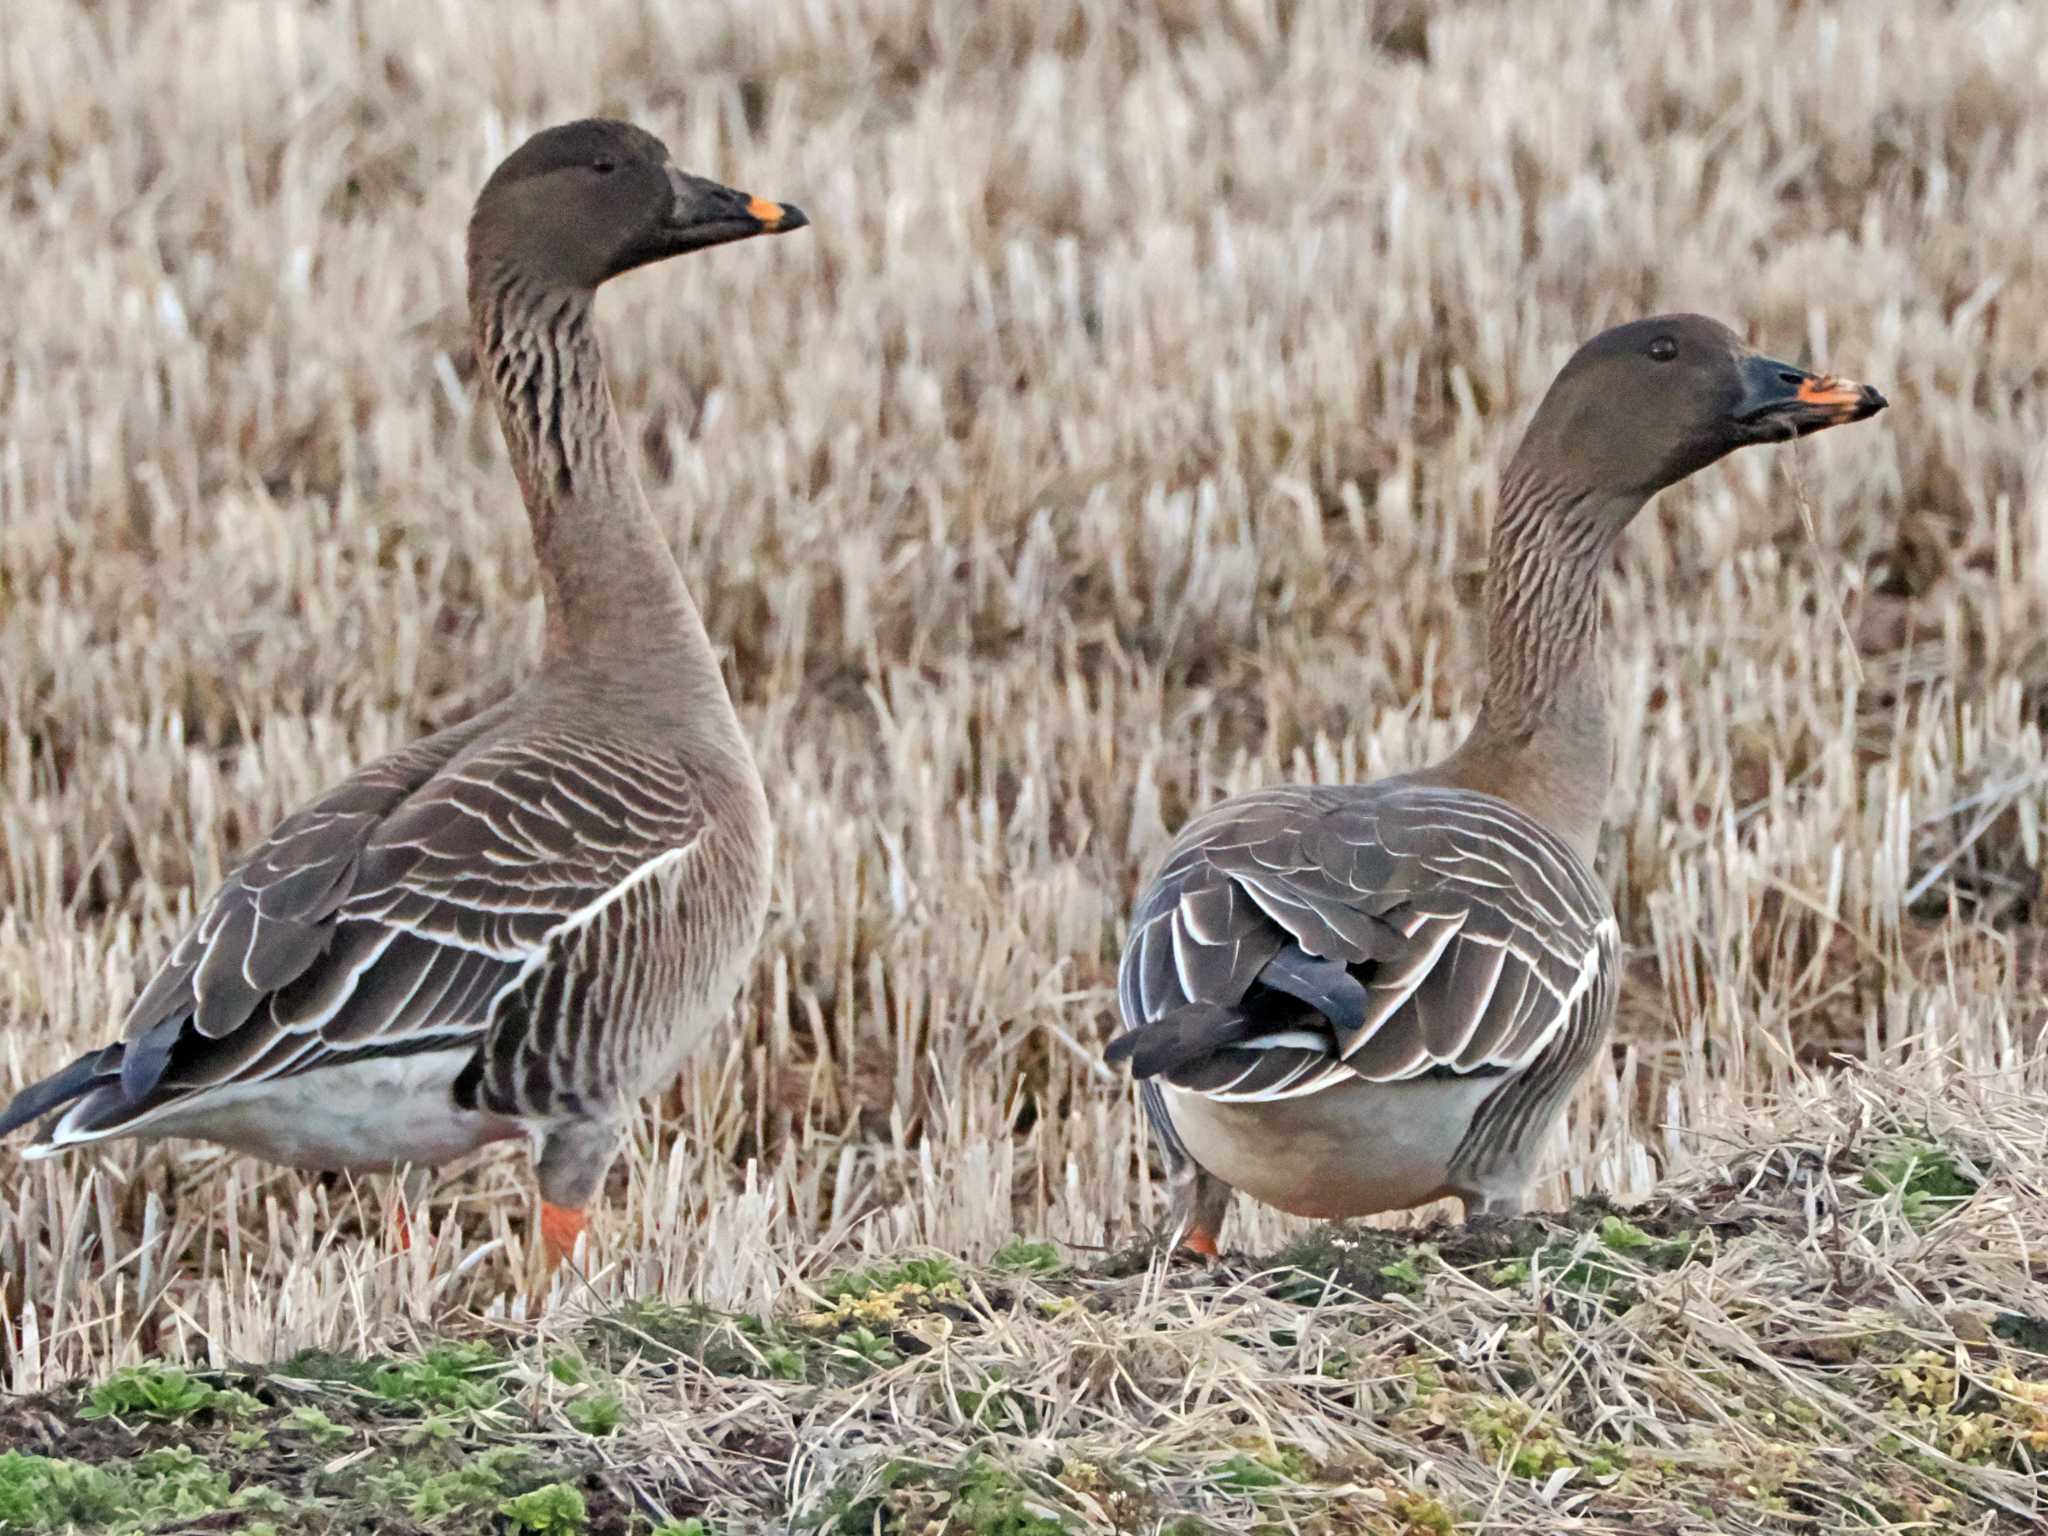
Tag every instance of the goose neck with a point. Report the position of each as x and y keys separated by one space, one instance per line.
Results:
x=613 y=593
x=1541 y=739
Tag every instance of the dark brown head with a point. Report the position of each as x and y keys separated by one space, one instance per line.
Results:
x=1643 y=405
x=581 y=203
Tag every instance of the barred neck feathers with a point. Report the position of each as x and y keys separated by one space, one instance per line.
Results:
x=612 y=589
x=1541 y=739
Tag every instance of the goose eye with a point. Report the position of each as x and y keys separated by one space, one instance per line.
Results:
x=1663 y=349
x=604 y=167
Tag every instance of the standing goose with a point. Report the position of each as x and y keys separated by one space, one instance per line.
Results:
x=1345 y=999
x=521 y=924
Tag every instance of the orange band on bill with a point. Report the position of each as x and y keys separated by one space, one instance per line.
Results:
x=1828 y=390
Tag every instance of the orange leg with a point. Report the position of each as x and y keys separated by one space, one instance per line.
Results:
x=410 y=1202
x=560 y=1226
x=1201 y=1241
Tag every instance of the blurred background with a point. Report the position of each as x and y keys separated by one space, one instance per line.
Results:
x=1124 y=432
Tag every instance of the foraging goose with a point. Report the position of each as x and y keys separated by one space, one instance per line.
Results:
x=1346 y=999
x=521 y=924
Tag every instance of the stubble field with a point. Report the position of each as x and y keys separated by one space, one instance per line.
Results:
x=1124 y=433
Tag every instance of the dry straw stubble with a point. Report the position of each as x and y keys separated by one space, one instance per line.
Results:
x=1124 y=433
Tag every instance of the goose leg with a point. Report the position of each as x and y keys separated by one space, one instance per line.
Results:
x=413 y=1186
x=560 y=1227
x=574 y=1157
x=1200 y=1202
x=1502 y=1205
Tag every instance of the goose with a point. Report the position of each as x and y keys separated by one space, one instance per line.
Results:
x=1345 y=999
x=523 y=924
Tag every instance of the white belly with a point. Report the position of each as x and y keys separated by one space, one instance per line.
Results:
x=1353 y=1150
x=363 y=1116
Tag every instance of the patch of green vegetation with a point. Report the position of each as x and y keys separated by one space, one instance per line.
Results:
x=859 y=1328
x=724 y=1343
x=176 y=1482
x=929 y=1276
x=47 y=1494
x=1244 y=1473
x=1421 y=1515
x=1983 y=1420
x=1362 y=1260
x=597 y=1416
x=781 y=1363
x=553 y=1510
x=459 y=1377
x=41 y=1493
x=569 y=1368
x=690 y=1527
x=1022 y=1256
x=974 y=1498
x=441 y=1459
x=1588 y=1273
x=1927 y=1178
x=434 y=1429
x=840 y=1344
x=1405 y=1273
x=1620 y=1235
x=1502 y=1427
x=312 y=1422
x=2029 y=1333
x=863 y=1346
x=427 y=1487
x=165 y=1394
x=319 y=1367
x=456 y=1378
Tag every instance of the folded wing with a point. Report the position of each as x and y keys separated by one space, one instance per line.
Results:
x=1303 y=936
x=390 y=916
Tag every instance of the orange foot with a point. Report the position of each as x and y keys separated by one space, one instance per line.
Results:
x=560 y=1226
x=1201 y=1242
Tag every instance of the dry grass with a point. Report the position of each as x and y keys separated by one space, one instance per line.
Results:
x=1836 y=1329
x=1124 y=433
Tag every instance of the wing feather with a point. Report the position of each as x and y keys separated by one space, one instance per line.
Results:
x=1381 y=931
x=394 y=914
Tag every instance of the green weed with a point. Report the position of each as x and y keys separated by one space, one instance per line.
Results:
x=596 y=1416
x=459 y=1378
x=41 y=1493
x=930 y=1275
x=1927 y=1178
x=1021 y=1256
x=165 y=1394
x=555 y=1510
x=726 y=1344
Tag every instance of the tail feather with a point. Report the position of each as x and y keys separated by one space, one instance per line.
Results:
x=58 y=1089
x=1328 y=986
x=1184 y=1035
x=144 y=1059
